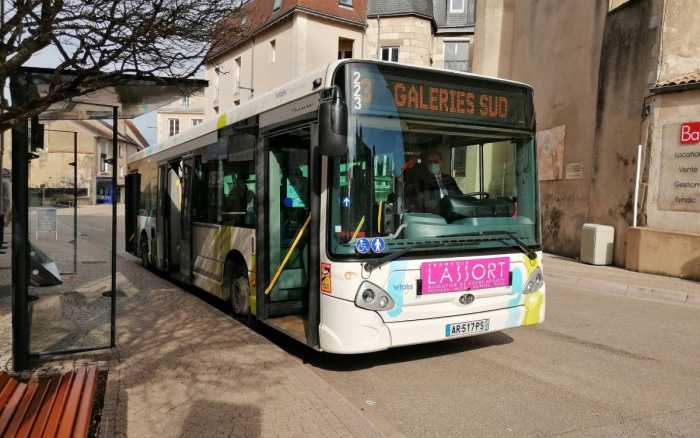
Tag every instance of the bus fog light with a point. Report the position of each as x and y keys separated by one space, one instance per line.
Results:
x=372 y=297
x=534 y=282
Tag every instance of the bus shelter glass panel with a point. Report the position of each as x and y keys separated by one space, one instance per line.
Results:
x=70 y=228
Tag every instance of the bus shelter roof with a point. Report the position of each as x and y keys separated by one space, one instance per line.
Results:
x=134 y=95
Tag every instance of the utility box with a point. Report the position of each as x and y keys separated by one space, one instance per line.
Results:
x=597 y=244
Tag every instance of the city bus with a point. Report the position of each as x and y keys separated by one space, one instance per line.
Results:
x=361 y=207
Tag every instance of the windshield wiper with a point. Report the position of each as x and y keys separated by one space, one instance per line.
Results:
x=522 y=246
x=373 y=264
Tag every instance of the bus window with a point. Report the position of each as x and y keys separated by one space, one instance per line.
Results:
x=238 y=194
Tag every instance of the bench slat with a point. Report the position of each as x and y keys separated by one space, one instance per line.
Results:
x=33 y=412
x=11 y=407
x=57 y=408
x=71 y=408
x=49 y=399
x=82 y=420
x=7 y=392
x=19 y=413
x=4 y=378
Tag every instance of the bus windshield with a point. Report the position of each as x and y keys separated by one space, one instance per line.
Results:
x=432 y=184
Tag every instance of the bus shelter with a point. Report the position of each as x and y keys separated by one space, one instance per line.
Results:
x=64 y=248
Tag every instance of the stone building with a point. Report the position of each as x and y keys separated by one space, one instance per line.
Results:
x=286 y=38
x=435 y=33
x=51 y=173
x=179 y=116
x=608 y=76
x=283 y=39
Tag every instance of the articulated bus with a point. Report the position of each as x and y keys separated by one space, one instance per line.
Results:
x=361 y=207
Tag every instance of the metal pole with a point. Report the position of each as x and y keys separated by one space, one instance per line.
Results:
x=636 y=185
x=75 y=203
x=2 y=133
x=115 y=146
x=20 y=247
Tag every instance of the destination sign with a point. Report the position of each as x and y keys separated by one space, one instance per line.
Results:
x=374 y=89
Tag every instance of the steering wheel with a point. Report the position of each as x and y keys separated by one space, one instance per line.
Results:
x=480 y=195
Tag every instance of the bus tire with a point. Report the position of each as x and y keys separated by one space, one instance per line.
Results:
x=143 y=250
x=239 y=288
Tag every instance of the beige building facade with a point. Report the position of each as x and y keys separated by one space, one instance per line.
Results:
x=607 y=77
x=284 y=39
x=179 y=116
x=51 y=175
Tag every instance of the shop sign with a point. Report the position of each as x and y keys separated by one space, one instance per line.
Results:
x=690 y=133
x=679 y=182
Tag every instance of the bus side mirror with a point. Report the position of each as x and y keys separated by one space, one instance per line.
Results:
x=333 y=126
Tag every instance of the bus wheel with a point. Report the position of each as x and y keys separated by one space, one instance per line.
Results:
x=239 y=289
x=144 y=253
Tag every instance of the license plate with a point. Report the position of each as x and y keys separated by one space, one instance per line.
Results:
x=466 y=328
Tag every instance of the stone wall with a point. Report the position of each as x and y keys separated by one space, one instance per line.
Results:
x=413 y=35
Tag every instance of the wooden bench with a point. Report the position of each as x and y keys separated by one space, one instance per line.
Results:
x=57 y=406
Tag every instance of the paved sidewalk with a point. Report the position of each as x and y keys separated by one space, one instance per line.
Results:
x=185 y=369
x=609 y=279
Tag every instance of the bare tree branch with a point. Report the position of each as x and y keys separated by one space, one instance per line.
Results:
x=100 y=39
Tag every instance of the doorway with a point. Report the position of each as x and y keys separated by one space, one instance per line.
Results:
x=286 y=293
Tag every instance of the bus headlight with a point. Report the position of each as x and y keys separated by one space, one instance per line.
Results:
x=534 y=282
x=372 y=297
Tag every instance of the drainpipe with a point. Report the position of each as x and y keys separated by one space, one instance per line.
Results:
x=636 y=186
x=379 y=29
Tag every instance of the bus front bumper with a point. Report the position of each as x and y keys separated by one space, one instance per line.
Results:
x=348 y=329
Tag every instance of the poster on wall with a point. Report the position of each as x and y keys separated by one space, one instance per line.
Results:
x=550 y=153
x=679 y=182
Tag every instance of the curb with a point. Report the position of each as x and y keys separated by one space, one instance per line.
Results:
x=616 y=288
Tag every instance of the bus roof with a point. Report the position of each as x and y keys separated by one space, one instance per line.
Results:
x=303 y=86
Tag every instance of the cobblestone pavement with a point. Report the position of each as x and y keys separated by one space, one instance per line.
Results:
x=185 y=369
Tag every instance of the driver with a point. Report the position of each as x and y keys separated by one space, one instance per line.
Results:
x=426 y=184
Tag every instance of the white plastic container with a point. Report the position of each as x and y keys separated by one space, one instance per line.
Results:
x=597 y=244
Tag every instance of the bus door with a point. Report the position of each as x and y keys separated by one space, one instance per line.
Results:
x=185 y=250
x=132 y=190
x=174 y=214
x=162 y=229
x=286 y=283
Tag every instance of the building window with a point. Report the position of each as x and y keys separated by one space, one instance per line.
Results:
x=273 y=51
x=237 y=72
x=390 y=54
x=186 y=102
x=347 y=3
x=104 y=156
x=174 y=126
x=457 y=55
x=276 y=5
x=196 y=122
x=121 y=151
x=345 y=48
x=456 y=6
